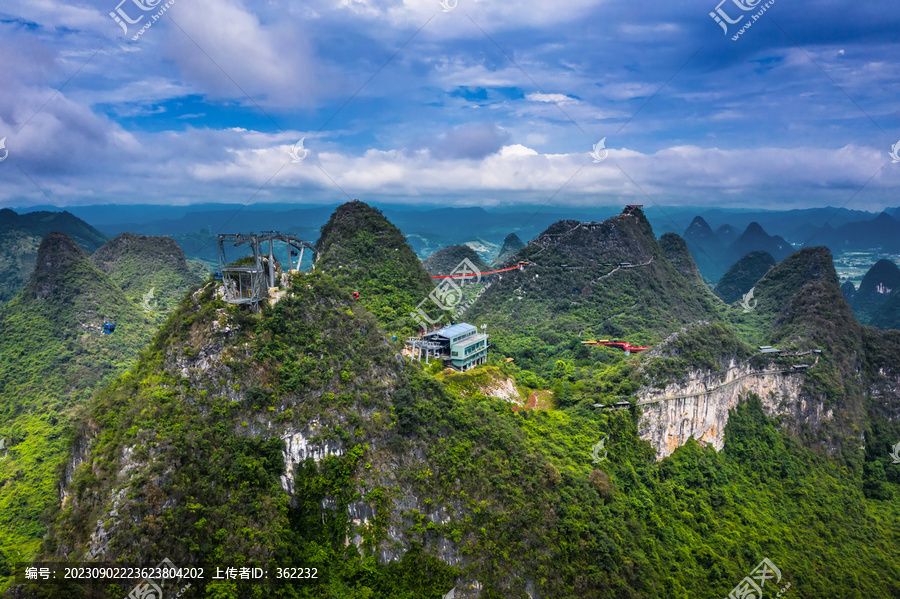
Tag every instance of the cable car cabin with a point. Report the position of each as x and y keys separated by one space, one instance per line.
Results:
x=109 y=328
x=218 y=276
x=356 y=295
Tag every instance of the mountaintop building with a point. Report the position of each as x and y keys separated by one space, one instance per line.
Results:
x=459 y=344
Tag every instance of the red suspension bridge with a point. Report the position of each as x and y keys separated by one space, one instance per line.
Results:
x=469 y=275
x=618 y=344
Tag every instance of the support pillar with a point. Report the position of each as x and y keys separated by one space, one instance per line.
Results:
x=271 y=263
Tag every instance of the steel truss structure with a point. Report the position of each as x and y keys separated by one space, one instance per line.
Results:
x=249 y=285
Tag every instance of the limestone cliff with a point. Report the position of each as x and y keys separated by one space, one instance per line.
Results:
x=698 y=406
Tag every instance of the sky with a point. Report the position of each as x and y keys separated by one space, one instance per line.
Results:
x=466 y=103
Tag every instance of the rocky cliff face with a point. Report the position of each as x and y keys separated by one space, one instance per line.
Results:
x=698 y=405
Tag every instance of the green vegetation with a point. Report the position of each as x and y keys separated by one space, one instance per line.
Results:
x=405 y=482
x=52 y=356
x=676 y=252
x=141 y=263
x=576 y=290
x=888 y=314
x=742 y=276
x=445 y=260
x=876 y=289
x=366 y=253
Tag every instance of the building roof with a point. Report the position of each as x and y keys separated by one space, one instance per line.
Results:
x=453 y=330
x=473 y=339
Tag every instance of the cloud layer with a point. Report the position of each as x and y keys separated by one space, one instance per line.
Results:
x=488 y=103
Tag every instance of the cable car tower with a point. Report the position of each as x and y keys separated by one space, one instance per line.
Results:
x=250 y=284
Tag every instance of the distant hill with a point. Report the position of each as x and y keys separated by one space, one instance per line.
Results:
x=364 y=252
x=707 y=249
x=443 y=261
x=140 y=264
x=42 y=223
x=52 y=357
x=754 y=238
x=742 y=276
x=880 y=282
x=20 y=236
x=713 y=253
x=727 y=234
x=511 y=245
x=883 y=232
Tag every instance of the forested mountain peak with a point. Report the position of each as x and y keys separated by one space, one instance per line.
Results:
x=755 y=238
x=699 y=229
x=443 y=261
x=58 y=257
x=366 y=253
x=743 y=275
x=122 y=247
x=151 y=270
x=511 y=245
x=676 y=250
x=20 y=237
x=603 y=279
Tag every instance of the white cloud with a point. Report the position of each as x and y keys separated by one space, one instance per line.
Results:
x=516 y=150
x=555 y=98
x=233 y=164
x=226 y=51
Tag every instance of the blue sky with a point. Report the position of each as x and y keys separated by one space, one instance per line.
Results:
x=488 y=104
